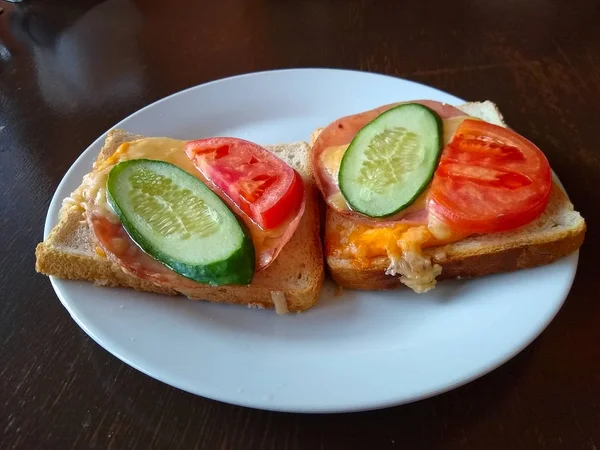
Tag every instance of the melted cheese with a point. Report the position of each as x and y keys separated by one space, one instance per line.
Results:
x=91 y=194
x=407 y=260
x=401 y=243
x=280 y=302
x=331 y=159
x=158 y=148
x=449 y=127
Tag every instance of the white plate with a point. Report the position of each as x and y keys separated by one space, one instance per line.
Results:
x=361 y=350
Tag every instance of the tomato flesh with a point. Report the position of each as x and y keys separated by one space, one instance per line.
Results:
x=261 y=185
x=489 y=179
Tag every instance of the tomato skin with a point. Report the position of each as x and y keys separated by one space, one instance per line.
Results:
x=290 y=202
x=503 y=222
x=489 y=179
x=261 y=185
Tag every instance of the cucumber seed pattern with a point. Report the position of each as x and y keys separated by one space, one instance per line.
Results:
x=391 y=154
x=169 y=209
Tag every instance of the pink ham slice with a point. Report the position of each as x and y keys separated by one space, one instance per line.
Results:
x=341 y=132
x=120 y=248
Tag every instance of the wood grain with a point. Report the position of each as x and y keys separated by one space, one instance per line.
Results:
x=539 y=60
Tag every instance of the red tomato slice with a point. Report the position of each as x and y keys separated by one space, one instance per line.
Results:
x=489 y=179
x=260 y=184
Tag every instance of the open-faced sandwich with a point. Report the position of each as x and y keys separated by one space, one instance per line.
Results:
x=420 y=191
x=219 y=219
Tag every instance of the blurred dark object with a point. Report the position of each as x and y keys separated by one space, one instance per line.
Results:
x=41 y=22
x=71 y=44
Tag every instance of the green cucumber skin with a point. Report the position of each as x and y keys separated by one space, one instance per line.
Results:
x=426 y=182
x=237 y=269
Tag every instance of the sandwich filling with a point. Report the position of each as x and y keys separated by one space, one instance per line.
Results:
x=115 y=243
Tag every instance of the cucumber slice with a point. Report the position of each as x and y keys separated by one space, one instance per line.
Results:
x=179 y=221
x=391 y=160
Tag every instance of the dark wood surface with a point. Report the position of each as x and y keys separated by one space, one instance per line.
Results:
x=69 y=70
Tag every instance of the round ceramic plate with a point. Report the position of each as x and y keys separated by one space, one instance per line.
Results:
x=357 y=351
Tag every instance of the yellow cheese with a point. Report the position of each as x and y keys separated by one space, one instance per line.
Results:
x=402 y=243
x=280 y=302
x=158 y=148
x=91 y=195
x=449 y=128
x=331 y=159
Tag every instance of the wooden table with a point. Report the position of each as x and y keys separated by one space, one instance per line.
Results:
x=70 y=70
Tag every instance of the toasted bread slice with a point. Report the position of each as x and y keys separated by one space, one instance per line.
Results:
x=556 y=233
x=70 y=251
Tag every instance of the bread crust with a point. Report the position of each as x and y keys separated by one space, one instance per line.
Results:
x=509 y=259
x=70 y=251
